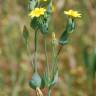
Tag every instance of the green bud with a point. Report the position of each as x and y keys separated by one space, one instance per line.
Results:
x=35 y=81
x=64 y=38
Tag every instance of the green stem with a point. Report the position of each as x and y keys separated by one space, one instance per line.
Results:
x=90 y=85
x=49 y=92
x=60 y=48
x=46 y=55
x=54 y=58
x=36 y=48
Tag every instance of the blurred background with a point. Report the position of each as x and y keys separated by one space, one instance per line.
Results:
x=15 y=67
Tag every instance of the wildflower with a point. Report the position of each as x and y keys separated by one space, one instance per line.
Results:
x=37 y=12
x=72 y=13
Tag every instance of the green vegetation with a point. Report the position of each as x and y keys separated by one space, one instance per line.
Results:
x=50 y=51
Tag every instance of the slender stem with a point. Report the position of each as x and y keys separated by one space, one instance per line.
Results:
x=54 y=58
x=46 y=55
x=60 y=48
x=49 y=92
x=36 y=48
x=90 y=85
x=30 y=56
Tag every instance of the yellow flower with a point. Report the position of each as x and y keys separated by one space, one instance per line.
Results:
x=37 y=12
x=72 y=13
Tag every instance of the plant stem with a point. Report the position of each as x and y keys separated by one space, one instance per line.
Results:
x=54 y=58
x=36 y=47
x=60 y=48
x=49 y=92
x=46 y=55
x=90 y=85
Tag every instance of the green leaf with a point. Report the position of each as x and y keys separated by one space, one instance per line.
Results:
x=43 y=83
x=86 y=57
x=46 y=79
x=49 y=7
x=55 y=78
x=94 y=62
x=64 y=38
x=25 y=35
x=87 y=61
x=90 y=62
